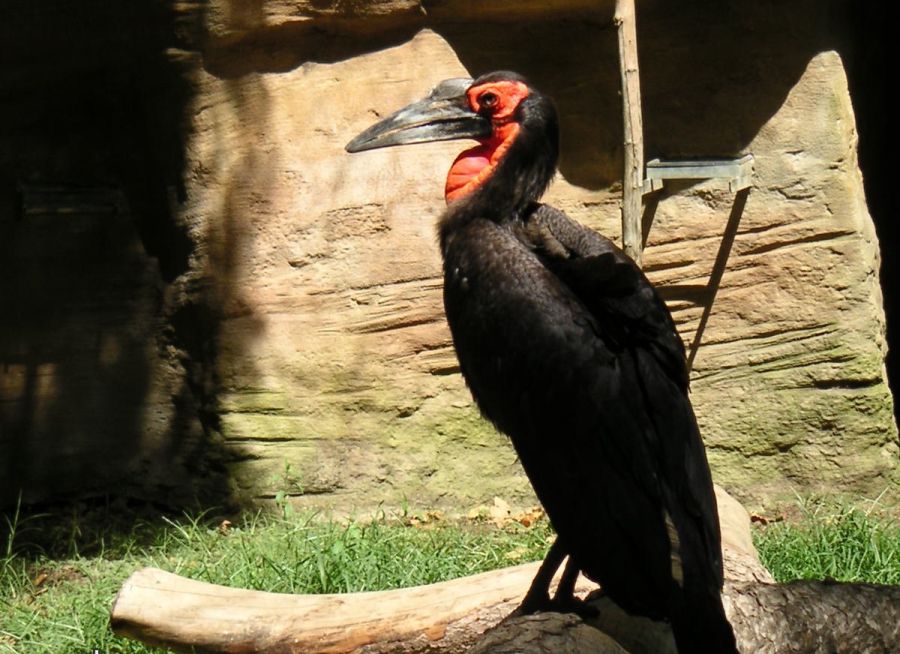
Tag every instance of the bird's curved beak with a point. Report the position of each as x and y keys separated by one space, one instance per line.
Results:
x=442 y=116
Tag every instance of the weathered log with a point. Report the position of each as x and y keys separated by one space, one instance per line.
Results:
x=815 y=616
x=546 y=632
x=465 y=615
x=185 y=615
x=167 y=610
x=803 y=617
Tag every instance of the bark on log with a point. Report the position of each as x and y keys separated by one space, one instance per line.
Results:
x=163 y=609
x=815 y=616
x=546 y=632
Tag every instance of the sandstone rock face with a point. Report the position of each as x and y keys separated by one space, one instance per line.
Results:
x=798 y=328
x=303 y=343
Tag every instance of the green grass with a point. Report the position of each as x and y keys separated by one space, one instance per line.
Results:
x=844 y=543
x=59 y=573
x=58 y=601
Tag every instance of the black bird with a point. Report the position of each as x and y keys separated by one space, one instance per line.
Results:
x=568 y=350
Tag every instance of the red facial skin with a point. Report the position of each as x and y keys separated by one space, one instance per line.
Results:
x=499 y=100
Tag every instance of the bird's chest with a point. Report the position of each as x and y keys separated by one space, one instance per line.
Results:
x=509 y=316
x=491 y=280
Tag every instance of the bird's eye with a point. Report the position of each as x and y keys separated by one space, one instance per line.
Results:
x=488 y=99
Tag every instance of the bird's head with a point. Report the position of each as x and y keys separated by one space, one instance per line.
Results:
x=515 y=126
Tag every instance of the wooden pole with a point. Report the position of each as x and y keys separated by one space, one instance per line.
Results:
x=633 y=125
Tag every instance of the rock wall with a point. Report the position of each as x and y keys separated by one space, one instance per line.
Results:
x=100 y=392
x=292 y=336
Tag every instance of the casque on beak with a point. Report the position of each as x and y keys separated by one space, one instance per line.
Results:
x=442 y=116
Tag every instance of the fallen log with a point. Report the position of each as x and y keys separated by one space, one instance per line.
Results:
x=166 y=610
x=803 y=617
x=469 y=614
x=465 y=615
x=184 y=615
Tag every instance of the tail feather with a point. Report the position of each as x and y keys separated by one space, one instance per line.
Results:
x=700 y=626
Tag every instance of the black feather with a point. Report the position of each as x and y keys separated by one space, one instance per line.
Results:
x=568 y=349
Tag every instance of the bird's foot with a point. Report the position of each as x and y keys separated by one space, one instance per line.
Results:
x=572 y=604
x=542 y=603
x=533 y=603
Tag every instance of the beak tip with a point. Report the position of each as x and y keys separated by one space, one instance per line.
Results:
x=362 y=142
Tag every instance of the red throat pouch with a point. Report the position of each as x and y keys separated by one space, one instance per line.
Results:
x=473 y=166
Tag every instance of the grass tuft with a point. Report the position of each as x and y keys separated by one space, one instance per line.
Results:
x=842 y=542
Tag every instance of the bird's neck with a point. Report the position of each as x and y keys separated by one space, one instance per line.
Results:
x=502 y=177
x=473 y=166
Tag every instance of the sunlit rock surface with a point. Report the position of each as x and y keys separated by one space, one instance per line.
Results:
x=296 y=341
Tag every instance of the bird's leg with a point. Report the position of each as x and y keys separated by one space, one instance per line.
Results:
x=564 y=599
x=565 y=591
x=538 y=596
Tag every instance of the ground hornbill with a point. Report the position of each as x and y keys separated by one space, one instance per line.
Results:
x=569 y=351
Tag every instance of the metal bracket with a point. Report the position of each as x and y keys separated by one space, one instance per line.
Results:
x=737 y=172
